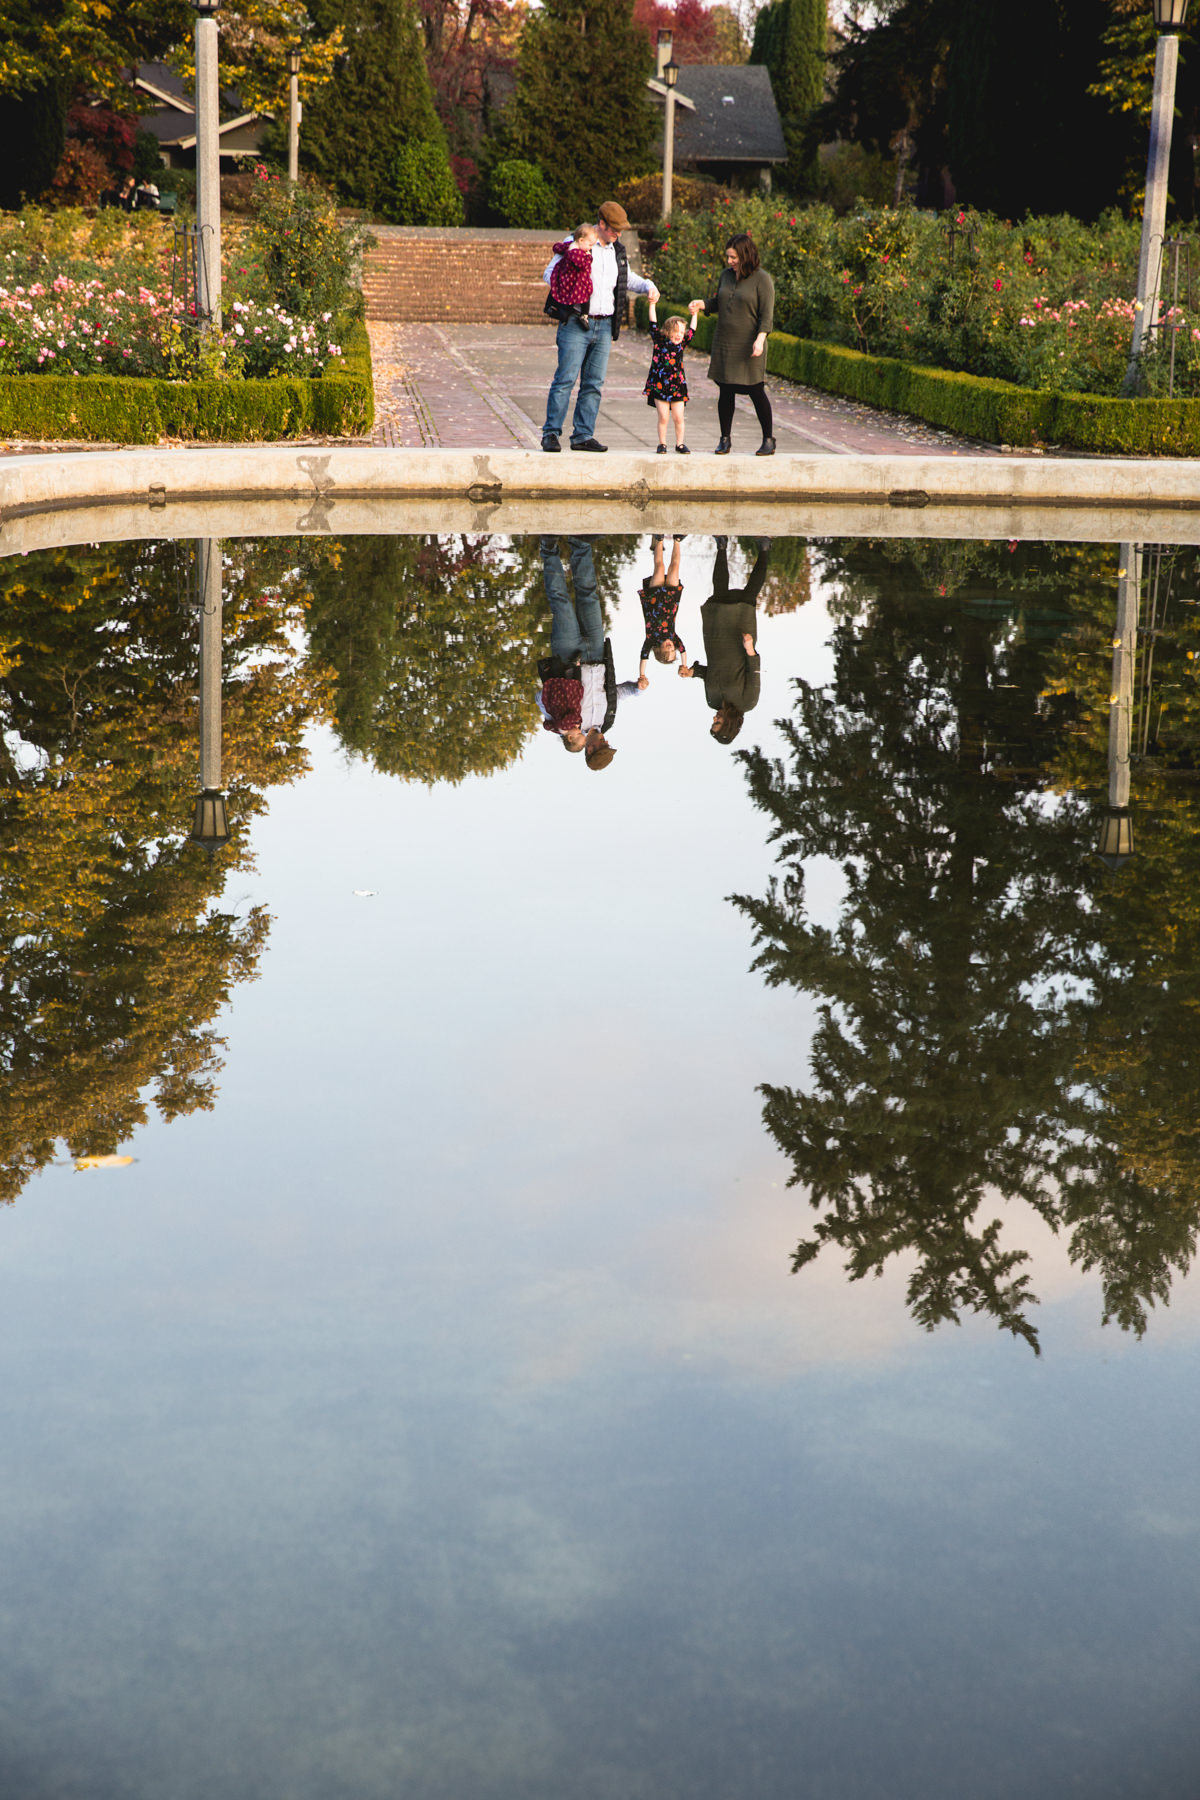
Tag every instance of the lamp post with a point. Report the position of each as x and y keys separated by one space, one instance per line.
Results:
x=1115 y=843
x=1169 y=16
x=208 y=169
x=670 y=77
x=662 y=51
x=210 y=827
x=293 y=115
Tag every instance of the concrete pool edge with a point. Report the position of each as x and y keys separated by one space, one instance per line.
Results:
x=244 y=490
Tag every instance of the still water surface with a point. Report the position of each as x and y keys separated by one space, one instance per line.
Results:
x=431 y=1407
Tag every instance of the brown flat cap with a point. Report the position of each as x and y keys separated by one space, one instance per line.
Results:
x=614 y=216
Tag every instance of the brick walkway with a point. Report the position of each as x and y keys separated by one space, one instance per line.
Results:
x=484 y=387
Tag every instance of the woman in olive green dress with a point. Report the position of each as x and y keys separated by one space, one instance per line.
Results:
x=744 y=304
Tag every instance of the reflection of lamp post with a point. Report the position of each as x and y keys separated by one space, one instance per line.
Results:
x=208 y=168
x=662 y=51
x=1115 y=843
x=293 y=115
x=1169 y=16
x=210 y=827
x=670 y=76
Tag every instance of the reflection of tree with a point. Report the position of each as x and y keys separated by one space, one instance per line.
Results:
x=1134 y=1201
x=432 y=646
x=788 y=586
x=116 y=955
x=943 y=1062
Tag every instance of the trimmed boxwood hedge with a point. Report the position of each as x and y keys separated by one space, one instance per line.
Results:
x=994 y=412
x=121 y=409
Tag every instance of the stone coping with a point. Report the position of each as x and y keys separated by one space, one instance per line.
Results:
x=280 y=489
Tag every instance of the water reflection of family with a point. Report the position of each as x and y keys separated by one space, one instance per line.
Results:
x=580 y=693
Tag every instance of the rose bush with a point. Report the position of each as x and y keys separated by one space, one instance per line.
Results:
x=1046 y=303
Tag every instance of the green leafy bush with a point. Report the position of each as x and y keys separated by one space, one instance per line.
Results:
x=310 y=262
x=421 y=189
x=521 y=196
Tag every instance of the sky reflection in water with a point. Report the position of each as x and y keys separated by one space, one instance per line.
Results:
x=438 y=1414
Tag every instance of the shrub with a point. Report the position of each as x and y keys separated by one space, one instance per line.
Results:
x=310 y=261
x=80 y=178
x=421 y=189
x=520 y=195
x=642 y=198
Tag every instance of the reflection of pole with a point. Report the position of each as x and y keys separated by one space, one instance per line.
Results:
x=208 y=175
x=1116 y=832
x=1154 y=211
x=210 y=827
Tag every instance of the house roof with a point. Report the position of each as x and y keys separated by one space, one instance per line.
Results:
x=174 y=120
x=736 y=119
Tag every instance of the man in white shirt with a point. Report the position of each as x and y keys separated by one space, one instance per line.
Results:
x=583 y=355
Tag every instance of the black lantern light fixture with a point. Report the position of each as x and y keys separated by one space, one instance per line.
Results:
x=670 y=73
x=1114 y=846
x=293 y=62
x=1169 y=15
x=204 y=7
x=210 y=826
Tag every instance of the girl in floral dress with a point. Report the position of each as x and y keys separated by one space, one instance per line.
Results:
x=660 y=595
x=666 y=384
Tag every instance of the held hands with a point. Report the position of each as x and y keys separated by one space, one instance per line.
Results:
x=695 y=306
x=654 y=296
x=685 y=669
x=643 y=682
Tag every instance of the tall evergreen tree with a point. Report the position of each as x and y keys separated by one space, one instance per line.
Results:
x=790 y=39
x=379 y=100
x=581 y=110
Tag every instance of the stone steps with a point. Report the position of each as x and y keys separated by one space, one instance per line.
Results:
x=452 y=277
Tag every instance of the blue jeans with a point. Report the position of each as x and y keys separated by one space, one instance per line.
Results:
x=574 y=630
x=583 y=357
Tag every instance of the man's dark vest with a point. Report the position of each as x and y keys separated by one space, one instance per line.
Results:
x=622 y=287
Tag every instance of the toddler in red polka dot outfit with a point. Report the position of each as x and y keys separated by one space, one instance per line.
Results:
x=571 y=277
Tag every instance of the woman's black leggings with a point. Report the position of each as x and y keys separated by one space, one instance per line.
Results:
x=758 y=396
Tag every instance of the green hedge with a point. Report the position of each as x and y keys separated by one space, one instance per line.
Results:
x=994 y=412
x=119 y=409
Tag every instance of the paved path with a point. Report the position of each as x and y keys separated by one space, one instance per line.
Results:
x=484 y=387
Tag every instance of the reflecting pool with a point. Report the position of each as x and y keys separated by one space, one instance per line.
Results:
x=443 y=1167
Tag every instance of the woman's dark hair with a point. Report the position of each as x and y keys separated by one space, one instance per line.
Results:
x=727 y=723
x=747 y=253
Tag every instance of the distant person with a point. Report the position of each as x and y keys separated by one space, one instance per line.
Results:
x=731 y=675
x=124 y=196
x=744 y=304
x=146 y=197
x=583 y=356
x=571 y=277
x=666 y=386
x=579 y=694
x=660 y=595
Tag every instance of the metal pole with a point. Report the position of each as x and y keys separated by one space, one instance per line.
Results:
x=1154 y=212
x=1120 y=718
x=208 y=569
x=668 y=155
x=208 y=178
x=294 y=125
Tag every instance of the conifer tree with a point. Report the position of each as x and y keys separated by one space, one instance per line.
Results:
x=790 y=39
x=581 y=110
x=379 y=100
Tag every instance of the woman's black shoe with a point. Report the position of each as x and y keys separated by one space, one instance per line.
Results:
x=724 y=447
x=766 y=448
x=662 y=449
